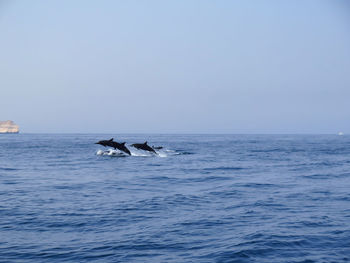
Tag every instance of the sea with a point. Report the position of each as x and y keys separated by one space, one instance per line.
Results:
x=201 y=198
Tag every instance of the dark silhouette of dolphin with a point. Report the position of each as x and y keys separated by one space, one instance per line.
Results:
x=105 y=142
x=115 y=145
x=121 y=147
x=143 y=146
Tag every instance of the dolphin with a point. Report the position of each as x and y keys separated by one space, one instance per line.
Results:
x=121 y=147
x=143 y=146
x=115 y=145
x=105 y=142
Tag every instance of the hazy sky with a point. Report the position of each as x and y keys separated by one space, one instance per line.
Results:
x=176 y=66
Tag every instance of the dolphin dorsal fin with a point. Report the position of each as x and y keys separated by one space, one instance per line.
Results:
x=145 y=143
x=111 y=140
x=123 y=143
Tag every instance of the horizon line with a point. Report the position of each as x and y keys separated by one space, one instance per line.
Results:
x=180 y=133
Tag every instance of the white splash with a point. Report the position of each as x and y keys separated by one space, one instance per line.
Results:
x=110 y=152
x=162 y=154
x=99 y=152
x=137 y=153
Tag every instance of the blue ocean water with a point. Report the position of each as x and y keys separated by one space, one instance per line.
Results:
x=204 y=198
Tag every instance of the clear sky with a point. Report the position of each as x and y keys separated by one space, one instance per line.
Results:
x=176 y=66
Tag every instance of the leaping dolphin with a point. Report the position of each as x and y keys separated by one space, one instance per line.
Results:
x=144 y=146
x=115 y=145
x=105 y=142
x=121 y=147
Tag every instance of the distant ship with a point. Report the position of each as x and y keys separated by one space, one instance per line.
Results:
x=8 y=127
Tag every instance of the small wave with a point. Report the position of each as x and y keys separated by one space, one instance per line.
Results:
x=207 y=178
x=259 y=185
x=8 y=169
x=223 y=168
x=317 y=176
x=182 y=153
x=267 y=150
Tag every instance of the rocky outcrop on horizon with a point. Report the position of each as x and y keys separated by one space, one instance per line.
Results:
x=8 y=127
